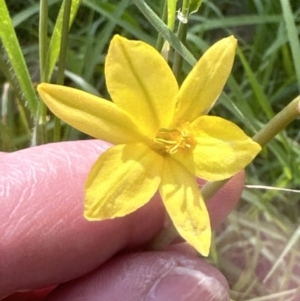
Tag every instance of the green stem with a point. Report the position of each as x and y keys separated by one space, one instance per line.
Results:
x=43 y=35
x=177 y=62
x=164 y=238
x=181 y=34
x=62 y=60
x=40 y=134
x=268 y=132
x=64 y=42
x=278 y=122
x=160 y=40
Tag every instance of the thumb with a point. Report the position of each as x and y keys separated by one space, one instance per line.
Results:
x=149 y=276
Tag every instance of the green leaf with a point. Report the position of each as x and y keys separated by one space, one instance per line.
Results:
x=292 y=33
x=54 y=47
x=194 y=6
x=16 y=59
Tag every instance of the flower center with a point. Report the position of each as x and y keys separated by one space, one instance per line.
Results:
x=175 y=139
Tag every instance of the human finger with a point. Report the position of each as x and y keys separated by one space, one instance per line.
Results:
x=148 y=276
x=224 y=201
x=44 y=234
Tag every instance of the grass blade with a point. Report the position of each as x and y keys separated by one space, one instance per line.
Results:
x=257 y=88
x=292 y=36
x=54 y=47
x=16 y=59
x=163 y=29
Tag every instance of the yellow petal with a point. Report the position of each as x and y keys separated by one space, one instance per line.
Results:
x=205 y=82
x=90 y=114
x=122 y=180
x=221 y=150
x=140 y=82
x=185 y=205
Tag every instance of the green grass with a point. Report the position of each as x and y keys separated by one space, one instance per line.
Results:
x=266 y=77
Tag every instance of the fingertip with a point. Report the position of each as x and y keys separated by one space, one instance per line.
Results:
x=148 y=276
x=186 y=284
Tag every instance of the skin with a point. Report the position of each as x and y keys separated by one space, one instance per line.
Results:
x=46 y=243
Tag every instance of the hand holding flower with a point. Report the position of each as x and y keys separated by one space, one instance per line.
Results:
x=45 y=240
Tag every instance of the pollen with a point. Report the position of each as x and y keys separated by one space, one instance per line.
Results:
x=176 y=139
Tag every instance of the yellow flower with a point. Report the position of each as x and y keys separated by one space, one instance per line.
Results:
x=162 y=135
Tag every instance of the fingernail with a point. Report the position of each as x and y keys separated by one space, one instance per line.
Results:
x=184 y=284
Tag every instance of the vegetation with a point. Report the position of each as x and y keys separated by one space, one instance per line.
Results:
x=263 y=231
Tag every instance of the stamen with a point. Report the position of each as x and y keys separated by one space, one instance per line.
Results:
x=174 y=140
